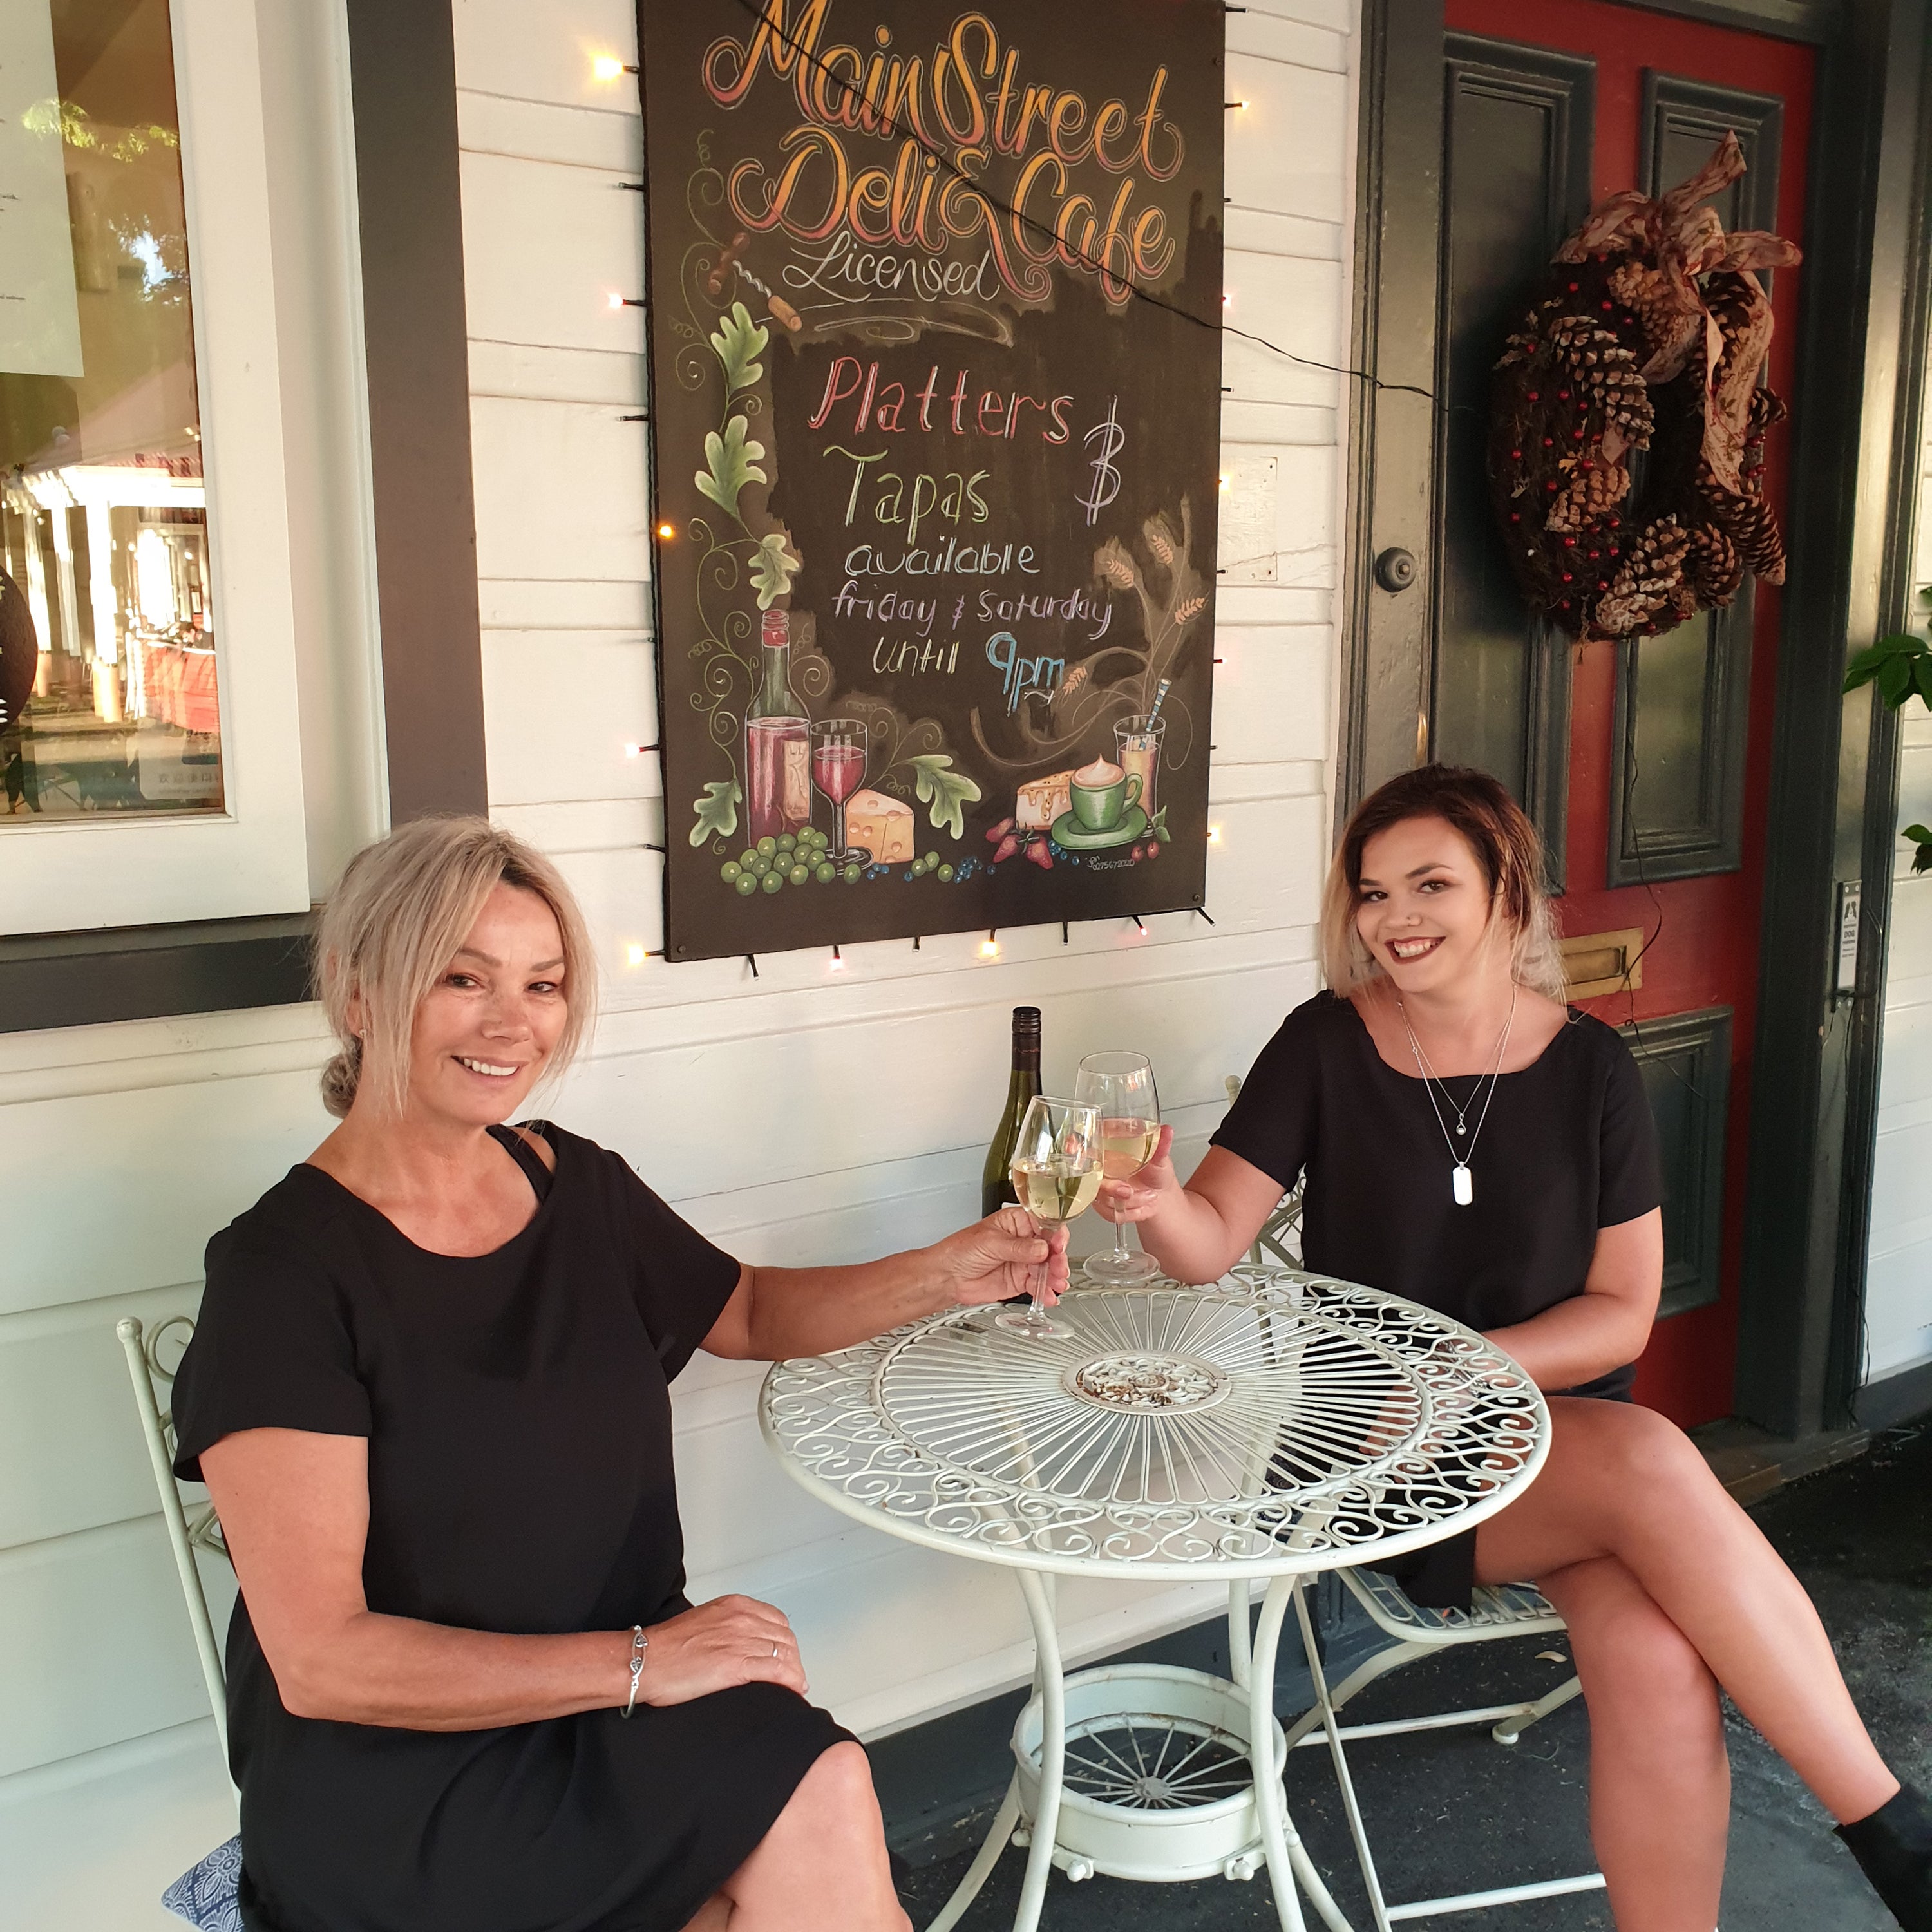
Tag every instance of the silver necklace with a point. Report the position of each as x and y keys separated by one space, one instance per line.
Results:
x=1462 y=1184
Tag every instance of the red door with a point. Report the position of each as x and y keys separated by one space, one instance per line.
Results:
x=1701 y=927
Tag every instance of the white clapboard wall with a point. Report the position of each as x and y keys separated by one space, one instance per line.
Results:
x=804 y=1116
x=1898 y=1273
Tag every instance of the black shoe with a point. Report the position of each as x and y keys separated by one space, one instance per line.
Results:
x=1894 y=1846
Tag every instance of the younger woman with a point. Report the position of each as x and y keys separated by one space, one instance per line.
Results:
x=1466 y=1140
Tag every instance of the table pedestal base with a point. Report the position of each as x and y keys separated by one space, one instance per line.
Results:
x=1164 y=1787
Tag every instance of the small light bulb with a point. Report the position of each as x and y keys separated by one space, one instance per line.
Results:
x=989 y=949
x=633 y=750
x=1227 y=300
x=1224 y=482
x=1213 y=835
x=607 y=67
x=633 y=955
x=617 y=300
x=837 y=966
x=665 y=531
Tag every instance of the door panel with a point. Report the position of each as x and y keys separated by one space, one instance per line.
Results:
x=1518 y=127
x=1669 y=741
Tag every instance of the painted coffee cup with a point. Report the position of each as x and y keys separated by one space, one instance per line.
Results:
x=1101 y=792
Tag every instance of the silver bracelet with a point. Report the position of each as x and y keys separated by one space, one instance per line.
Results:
x=639 y=1643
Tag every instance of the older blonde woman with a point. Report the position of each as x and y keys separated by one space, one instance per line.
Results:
x=1466 y=1139
x=429 y=1395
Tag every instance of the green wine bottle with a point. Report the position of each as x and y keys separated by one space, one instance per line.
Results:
x=996 y=1179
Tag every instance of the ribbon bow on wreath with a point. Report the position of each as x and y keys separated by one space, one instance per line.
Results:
x=1649 y=336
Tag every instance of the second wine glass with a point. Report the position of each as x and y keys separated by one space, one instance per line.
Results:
x=1056 y=1174
x=1120 y=1088
x=838 y=748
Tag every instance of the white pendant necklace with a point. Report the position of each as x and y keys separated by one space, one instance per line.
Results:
x=1462 y=1182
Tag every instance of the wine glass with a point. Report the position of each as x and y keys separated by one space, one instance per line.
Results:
x=838 y=748
x=1120 y=1088
x=1056 y=1174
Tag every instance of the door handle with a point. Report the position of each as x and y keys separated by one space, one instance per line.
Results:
x=1396 y=570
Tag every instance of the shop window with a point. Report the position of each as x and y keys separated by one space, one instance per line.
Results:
x=147 y=692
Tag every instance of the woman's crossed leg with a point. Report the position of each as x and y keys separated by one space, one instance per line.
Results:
x=821 y=1867
x=1669 y=1590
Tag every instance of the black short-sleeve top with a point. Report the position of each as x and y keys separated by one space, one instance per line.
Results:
x=1568 y=1146
x=517 y=1403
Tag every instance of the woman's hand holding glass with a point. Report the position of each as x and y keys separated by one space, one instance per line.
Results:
x=1006 y=1255
x=1141 y=1196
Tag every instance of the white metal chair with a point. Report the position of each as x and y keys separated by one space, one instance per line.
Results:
x=205 y=1895
x=1506 y=1610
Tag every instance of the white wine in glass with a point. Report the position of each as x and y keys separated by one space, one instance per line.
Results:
x=1056 y=1174
x=1120 y=1088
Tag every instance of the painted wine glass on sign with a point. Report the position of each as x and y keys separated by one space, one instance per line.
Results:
x=839 y=746
x=1056 y=1174
x=1119 y=1087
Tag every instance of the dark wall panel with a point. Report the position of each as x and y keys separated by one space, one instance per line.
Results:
x=1683 y=698
x=1517 y=128
x=1685 y=1061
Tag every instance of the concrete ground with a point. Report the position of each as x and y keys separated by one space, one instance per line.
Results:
x=1451 y=1811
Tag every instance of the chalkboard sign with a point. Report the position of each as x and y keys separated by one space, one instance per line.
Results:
x=934 y=299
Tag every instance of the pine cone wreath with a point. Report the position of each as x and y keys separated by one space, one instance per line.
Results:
x=1648 y=336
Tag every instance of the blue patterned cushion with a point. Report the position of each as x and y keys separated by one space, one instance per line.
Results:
x=205 y=1893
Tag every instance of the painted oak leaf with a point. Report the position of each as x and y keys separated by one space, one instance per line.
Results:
x=717 y=811
x=738 y=342
x=946 y=792
x=773 y=567
x=734 y=463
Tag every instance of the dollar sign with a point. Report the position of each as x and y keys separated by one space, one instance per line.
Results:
x=1106 y=484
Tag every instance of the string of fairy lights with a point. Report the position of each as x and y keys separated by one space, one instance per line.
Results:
x=608 y=68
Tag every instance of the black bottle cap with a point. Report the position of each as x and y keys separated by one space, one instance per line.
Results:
x=1026 y=1019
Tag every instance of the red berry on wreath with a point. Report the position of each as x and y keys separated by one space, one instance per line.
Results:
x=1573 y=288
x=1516 y=456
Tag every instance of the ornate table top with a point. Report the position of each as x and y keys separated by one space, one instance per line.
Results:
x=1276 y=1421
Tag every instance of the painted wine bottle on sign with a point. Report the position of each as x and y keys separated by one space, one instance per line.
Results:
x=778 y=742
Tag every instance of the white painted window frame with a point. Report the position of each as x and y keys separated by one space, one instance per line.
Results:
x=75 y=874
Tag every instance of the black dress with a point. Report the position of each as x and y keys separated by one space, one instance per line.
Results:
x=517 y=1409
x=1568 y=1146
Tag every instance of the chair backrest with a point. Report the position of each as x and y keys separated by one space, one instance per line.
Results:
x=188 y=1530
x=1280 y=1237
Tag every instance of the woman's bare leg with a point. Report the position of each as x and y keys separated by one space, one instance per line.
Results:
x=1622 y=1482
x=822 y=1867
x=1659 y=1781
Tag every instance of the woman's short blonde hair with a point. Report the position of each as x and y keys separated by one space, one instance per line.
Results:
x=1506 y=846
x=404 y=906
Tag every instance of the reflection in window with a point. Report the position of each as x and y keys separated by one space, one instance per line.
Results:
x=108 y=697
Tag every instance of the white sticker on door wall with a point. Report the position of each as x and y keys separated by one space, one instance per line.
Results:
x=40 y=315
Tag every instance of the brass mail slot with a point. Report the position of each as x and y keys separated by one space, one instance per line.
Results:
x=1595 y=963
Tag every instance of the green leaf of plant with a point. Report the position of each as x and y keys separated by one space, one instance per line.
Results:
x=946 y=792
x=1917 y=834
x=717 y=811
x=1922 y=677
x=1921 y=859
x=772 y=567
x=1894 y=681
x=738 y=342
x=734 y=462
x=1900 y=643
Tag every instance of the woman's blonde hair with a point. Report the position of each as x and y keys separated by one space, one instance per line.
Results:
x=404 y=905
x=1506 y=847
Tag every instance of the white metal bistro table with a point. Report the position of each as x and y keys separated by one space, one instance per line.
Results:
x=1272 y=1425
